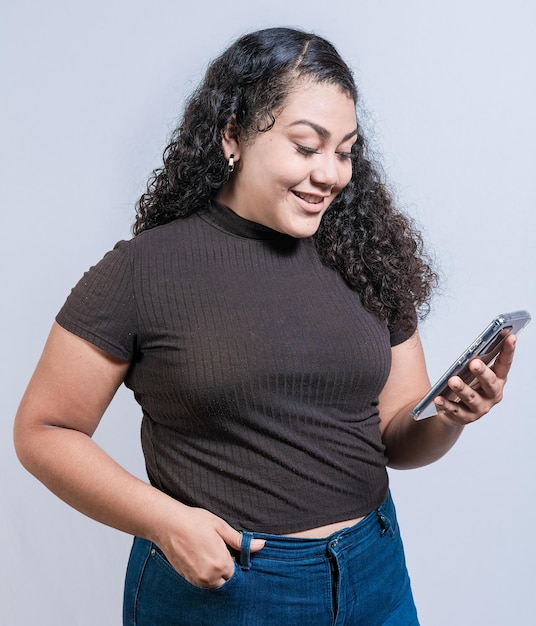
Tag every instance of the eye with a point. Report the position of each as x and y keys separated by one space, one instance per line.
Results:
x=306 y=150
x=344 y=155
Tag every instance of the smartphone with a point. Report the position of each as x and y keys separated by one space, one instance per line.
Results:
x=486 y=347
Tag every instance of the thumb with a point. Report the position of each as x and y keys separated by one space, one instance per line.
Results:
x=233 y=538
x=257 y=544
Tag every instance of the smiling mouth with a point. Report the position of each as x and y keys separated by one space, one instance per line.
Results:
x=309 y=198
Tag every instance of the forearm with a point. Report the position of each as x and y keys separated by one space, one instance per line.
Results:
x=69 y=392
x=78 y=471
x=411 y=444
x=71 y=465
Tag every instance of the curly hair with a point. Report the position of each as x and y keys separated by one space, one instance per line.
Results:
x=362 y=234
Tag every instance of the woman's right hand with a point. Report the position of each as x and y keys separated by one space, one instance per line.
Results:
x=197 y=546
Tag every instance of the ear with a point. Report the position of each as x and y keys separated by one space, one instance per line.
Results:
x=230 y=141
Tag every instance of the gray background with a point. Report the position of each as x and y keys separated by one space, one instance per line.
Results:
x=90 y=94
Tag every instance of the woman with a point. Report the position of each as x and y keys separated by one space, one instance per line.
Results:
x=264 y=316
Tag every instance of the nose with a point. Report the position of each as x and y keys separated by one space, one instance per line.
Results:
x=326 y=171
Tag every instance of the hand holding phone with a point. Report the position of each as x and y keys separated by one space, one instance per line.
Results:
x=485 y=347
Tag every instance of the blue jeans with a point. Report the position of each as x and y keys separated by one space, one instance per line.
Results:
x=355 y=577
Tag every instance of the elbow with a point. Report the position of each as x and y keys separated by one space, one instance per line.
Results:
x=23 y=444
x=31 y=443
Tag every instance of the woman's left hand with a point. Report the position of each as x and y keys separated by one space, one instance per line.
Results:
x=472 y=404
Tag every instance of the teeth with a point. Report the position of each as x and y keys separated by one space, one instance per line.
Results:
x=311 y=199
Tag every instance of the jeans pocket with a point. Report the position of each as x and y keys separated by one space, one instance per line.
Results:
x=161 y=561
x=157 y=595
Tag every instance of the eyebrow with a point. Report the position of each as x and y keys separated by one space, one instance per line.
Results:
x=320 y=130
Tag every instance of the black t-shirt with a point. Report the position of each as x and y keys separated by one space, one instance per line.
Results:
x=257 y=369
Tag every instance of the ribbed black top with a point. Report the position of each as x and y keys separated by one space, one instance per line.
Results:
x=256 y=367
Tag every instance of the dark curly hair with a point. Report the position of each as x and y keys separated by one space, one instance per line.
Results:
x=375 y=246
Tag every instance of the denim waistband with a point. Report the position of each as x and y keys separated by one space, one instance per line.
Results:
x=288 y=548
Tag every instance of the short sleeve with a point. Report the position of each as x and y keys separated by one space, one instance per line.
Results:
x=101 y=307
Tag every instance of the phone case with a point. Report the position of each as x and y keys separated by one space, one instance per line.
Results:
x=486 y=347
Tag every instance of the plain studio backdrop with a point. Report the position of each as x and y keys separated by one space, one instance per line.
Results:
x=90 y=93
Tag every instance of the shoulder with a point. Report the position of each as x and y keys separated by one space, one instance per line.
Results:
x=179 y=230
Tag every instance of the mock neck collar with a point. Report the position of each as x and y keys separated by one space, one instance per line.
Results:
x=225 y=219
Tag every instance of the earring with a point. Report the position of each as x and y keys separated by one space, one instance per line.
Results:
x=230 y=164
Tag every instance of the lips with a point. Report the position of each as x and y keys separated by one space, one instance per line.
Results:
x=310 y=198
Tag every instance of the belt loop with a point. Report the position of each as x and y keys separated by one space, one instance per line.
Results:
x=245 y=560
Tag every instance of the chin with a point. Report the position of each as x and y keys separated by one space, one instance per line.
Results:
x=301 y=231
